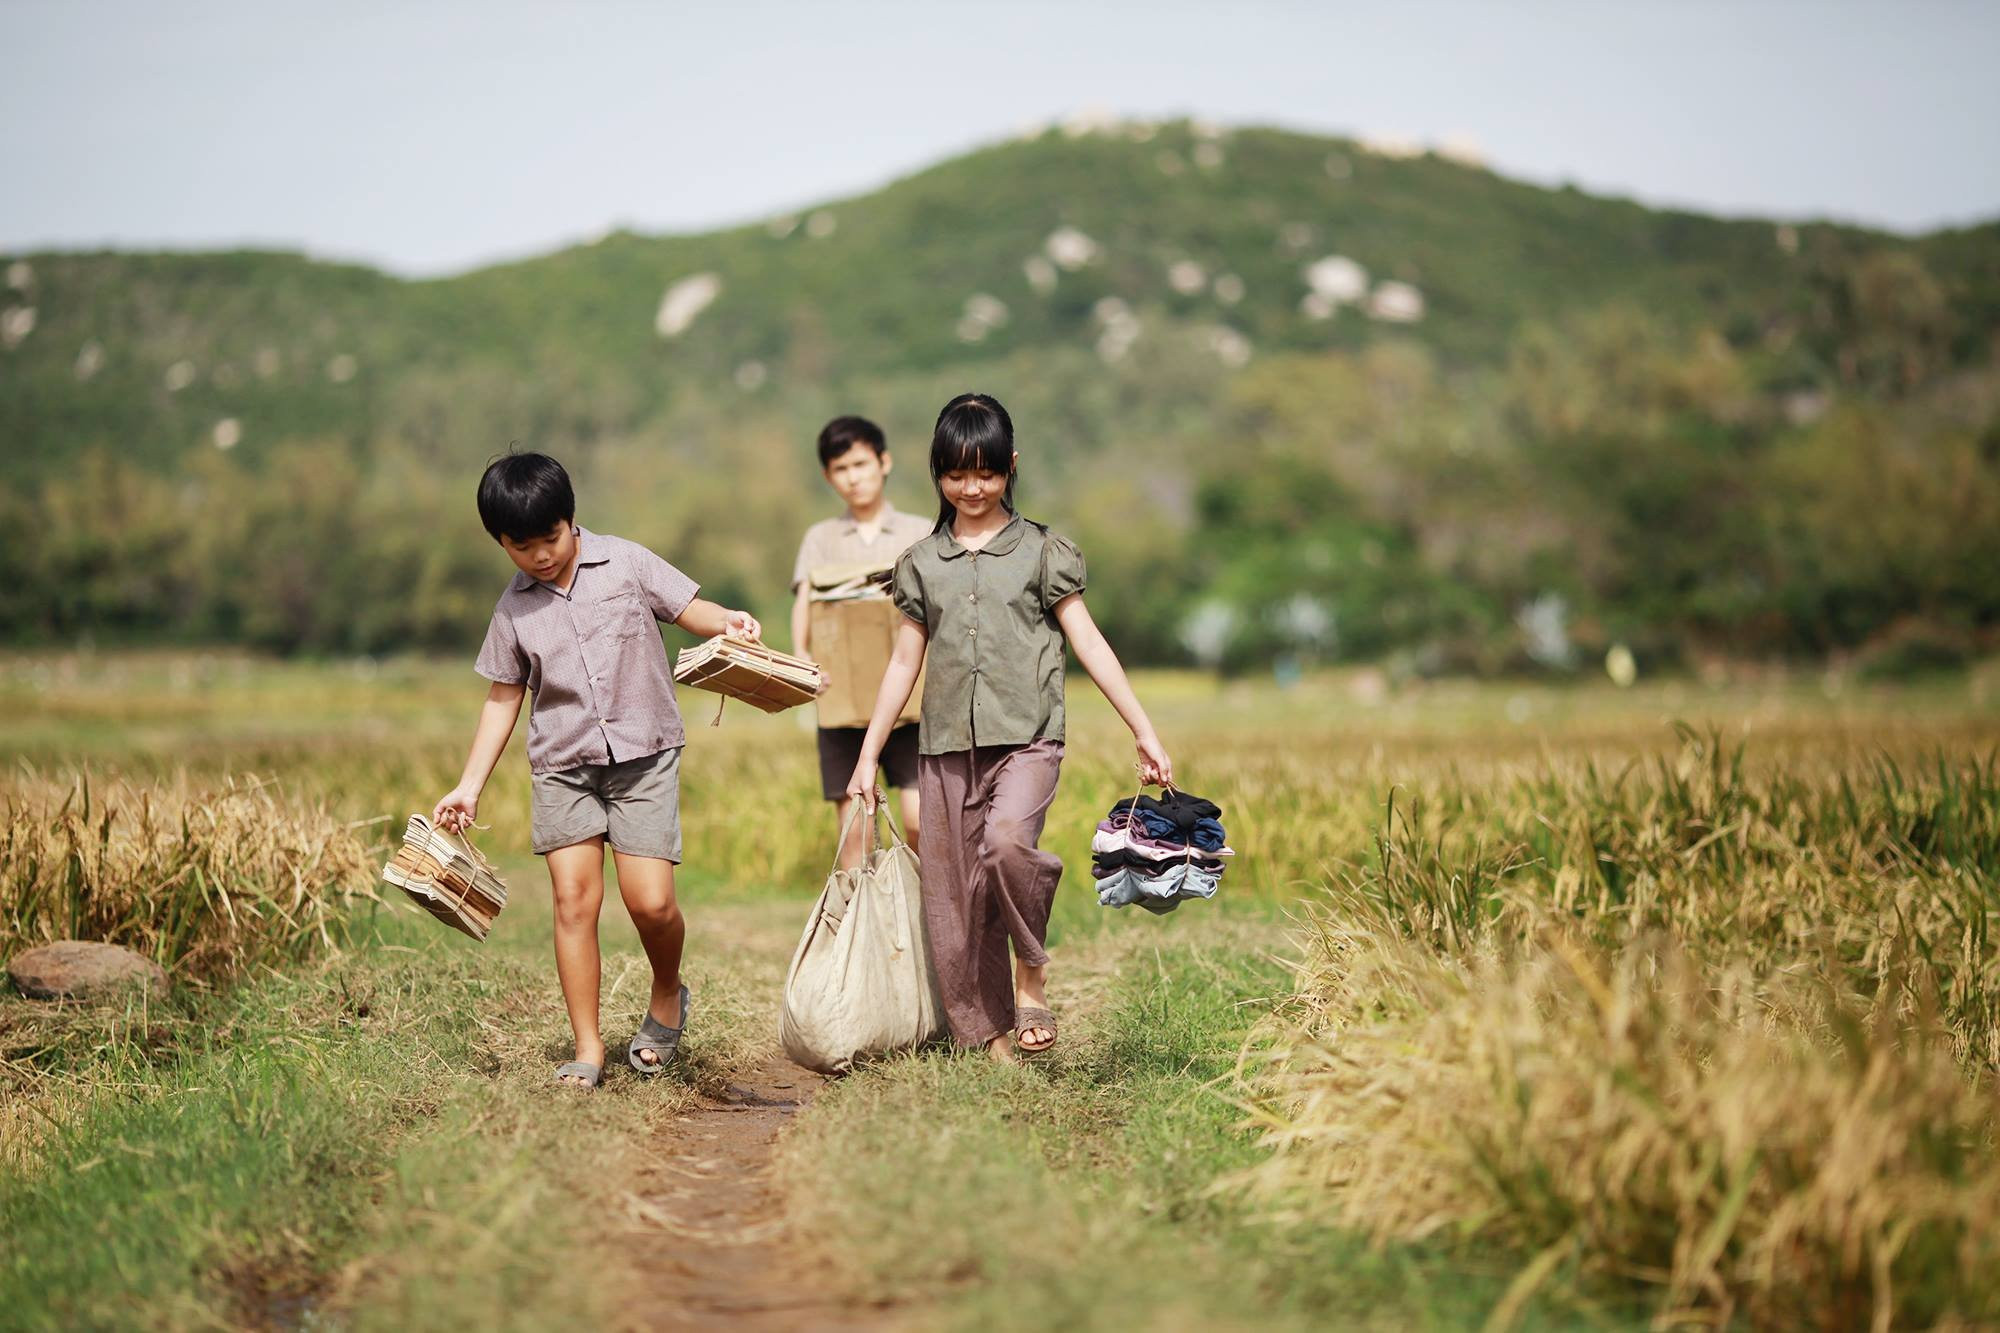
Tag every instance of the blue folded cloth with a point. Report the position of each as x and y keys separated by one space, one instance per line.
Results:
x=1206 y=833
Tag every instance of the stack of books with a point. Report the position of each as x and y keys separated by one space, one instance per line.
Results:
x=838 y=583
x=739 y=669
x=447 y=877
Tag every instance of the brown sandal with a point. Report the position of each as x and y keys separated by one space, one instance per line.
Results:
x=1027 y=1018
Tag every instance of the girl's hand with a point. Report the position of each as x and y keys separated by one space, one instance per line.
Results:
x=861 y=787
x=742 y=625
x=1154 y=766
x=457 y=811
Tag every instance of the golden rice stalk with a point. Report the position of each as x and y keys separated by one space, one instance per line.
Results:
x=204 y=877
x=1753 y=1142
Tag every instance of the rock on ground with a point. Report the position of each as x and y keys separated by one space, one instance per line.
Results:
x=81 y=969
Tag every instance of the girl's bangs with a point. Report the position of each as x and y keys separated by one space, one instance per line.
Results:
x=984 y=451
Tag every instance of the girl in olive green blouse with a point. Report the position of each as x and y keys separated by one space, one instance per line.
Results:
x=989 y=598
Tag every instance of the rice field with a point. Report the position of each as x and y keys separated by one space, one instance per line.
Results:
x=1525 y=1005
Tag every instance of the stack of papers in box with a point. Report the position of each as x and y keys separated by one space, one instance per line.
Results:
x=839 y=583
x=446 y=878
x=738 y=669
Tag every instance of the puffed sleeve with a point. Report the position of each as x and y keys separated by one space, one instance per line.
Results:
x=500 y=657
x=667 y=591
x=906 y=588
x=1062 y=570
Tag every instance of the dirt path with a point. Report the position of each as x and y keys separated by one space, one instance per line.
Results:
x=713 y=1244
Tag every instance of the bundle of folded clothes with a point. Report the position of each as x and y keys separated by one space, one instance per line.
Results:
x=1158 y=853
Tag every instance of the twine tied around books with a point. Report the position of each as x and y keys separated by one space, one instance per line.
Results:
x=749 y=670
x=471 y=850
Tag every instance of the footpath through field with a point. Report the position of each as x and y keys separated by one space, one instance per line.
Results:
x=700 y=1236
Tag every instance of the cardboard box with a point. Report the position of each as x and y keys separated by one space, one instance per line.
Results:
x=852 y=637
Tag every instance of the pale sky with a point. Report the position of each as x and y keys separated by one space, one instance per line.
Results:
x=430 y=137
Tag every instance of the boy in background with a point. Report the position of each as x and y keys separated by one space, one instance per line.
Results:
x=854 y=455
x=579 y=627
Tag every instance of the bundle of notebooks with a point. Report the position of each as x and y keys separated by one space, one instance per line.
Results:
x=447 y=878
x=738 y=669
x=849 y=582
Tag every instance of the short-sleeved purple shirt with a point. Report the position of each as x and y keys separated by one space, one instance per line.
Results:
x=592 y=656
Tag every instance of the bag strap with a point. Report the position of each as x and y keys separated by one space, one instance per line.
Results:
x=869 y=844
x=847 y=827
x=882 y=811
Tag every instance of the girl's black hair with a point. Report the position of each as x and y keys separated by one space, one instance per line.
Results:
x=973 y=434
x=524 y=496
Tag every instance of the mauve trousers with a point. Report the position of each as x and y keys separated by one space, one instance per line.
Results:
x=985 y=882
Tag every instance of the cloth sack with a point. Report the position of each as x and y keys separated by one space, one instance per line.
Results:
x=861 y=981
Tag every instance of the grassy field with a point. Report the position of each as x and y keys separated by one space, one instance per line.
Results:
x=1602 y=1022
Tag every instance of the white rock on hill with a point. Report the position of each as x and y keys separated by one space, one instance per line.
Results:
x=683 y=301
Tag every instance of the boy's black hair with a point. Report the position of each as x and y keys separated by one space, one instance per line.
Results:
x=524 y=496
x=973 y=434
x=843 y=433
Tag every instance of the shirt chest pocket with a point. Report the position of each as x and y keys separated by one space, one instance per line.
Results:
x=624 y=615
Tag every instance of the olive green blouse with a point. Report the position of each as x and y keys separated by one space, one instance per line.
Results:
x=994 y=664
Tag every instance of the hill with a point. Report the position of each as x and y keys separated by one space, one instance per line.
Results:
x=1152 y=300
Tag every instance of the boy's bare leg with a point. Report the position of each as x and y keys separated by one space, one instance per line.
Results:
x=576 y=875
x=646 y=883
x=911 y=809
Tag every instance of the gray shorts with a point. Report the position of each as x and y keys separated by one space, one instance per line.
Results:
x=635 y=803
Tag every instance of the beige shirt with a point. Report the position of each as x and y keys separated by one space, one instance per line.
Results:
x=840 y=541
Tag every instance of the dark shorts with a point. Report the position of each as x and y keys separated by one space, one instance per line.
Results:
x=840 y=750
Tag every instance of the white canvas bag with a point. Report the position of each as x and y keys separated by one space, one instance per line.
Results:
x=861 y=982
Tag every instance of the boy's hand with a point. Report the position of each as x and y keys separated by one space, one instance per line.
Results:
x=457 y=811
x=861 y=787
x=742 y=625
x=1154 y=766
x=825 y=681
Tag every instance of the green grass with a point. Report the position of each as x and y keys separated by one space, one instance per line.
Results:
x=235 y=1168
x=1094 y=1190
x=372 y=1135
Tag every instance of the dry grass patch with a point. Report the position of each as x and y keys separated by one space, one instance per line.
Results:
x=204 y=877
x=1724 y=1033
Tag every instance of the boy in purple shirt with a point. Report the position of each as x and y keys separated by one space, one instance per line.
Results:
x=579 y=628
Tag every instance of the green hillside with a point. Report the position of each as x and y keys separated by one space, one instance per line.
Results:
x=259 y=446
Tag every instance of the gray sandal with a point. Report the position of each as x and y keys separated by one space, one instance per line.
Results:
x=657 y=1036
x=582 y=1069
x=1027 y=1017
